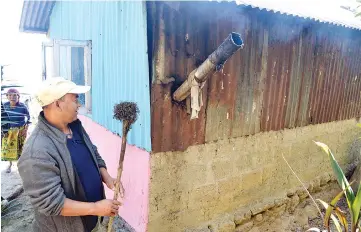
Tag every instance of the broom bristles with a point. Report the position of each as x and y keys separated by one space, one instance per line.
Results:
x=126 y=111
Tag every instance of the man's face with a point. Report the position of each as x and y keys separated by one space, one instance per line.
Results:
x=69 y=106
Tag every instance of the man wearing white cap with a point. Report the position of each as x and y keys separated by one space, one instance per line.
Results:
x=61 y=170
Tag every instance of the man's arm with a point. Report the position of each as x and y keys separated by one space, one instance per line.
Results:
x=100 y=208
x=42 y=183
x=100 y=160
x=41 y=180
x=111 y=182
x=106 y=178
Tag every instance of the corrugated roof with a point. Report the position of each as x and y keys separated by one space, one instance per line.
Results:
x=338 y=12
x=35 y=16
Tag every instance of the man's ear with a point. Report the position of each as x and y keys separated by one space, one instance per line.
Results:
x=57 y=105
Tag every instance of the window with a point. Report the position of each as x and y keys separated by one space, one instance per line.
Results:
x=71 y=60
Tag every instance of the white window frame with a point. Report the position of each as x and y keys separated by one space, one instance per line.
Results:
x=87 y=45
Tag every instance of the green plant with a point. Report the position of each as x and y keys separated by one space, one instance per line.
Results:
x=353 y=200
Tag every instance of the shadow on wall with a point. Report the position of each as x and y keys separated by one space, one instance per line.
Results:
x=354 y=155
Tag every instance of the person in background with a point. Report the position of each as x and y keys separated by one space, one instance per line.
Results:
x=13 y=138
x=61 y=170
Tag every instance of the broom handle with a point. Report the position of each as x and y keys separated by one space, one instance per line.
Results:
x=120 y=169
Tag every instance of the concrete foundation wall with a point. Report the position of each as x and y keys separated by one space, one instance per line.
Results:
x=237 y=177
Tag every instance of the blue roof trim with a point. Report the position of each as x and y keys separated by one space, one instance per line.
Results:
x=35 y=16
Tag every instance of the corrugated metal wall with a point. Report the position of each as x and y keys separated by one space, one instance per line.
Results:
x=118 y=31
x=292 y=72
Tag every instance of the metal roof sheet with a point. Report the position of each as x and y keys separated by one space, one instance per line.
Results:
x=35 y=16
x=338 y=12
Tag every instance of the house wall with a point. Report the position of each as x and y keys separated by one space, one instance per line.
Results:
x=135 y=175
x=292 y=72
x=119 y=73
x=225 y=184
x=295 y=81
x=118 y=31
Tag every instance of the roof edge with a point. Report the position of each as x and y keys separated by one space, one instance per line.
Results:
x=35 y=16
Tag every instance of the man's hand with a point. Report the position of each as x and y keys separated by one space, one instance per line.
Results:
x=106 y=208
x=111 y=182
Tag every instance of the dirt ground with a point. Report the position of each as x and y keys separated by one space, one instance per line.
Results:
x=305 y=215
x=18 y=216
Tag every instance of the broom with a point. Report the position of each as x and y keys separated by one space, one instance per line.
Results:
x=126 y=112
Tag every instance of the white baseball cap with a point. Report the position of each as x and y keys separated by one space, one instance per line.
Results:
x=54 y=88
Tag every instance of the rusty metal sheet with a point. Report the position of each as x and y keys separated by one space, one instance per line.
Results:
x=184 y=48
x=292 y=72
x=251 y=78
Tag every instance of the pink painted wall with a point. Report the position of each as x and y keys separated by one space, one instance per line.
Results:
x=135 y=176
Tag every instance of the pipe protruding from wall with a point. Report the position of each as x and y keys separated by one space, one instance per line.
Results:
x=196 y=79
x=214 y=62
